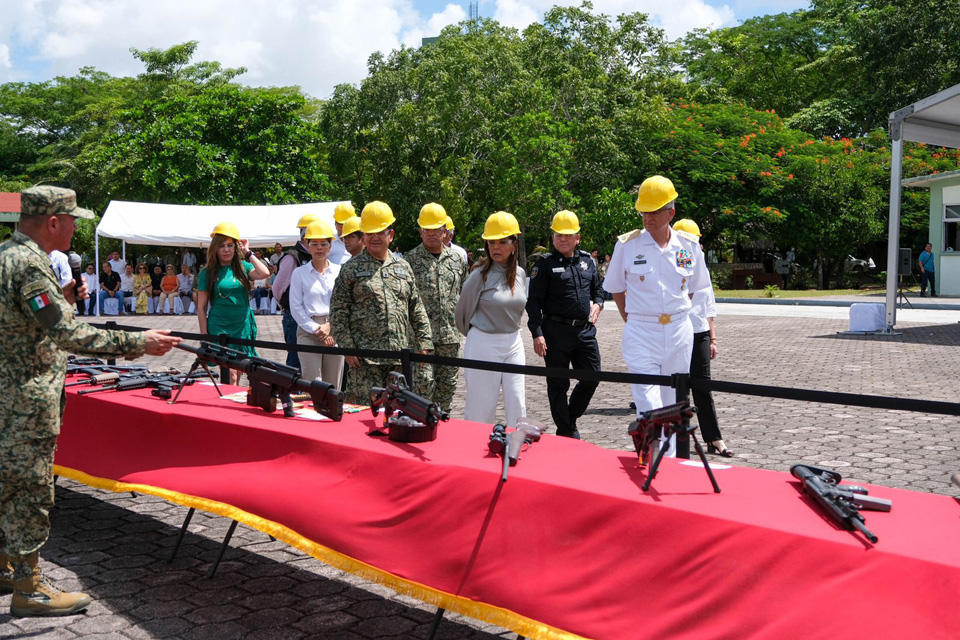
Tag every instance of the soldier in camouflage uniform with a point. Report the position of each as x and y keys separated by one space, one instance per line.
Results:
x=39 y=329
x=440 y=272
x=376 y=305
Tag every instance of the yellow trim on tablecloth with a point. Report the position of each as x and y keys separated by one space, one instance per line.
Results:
x=477 y=610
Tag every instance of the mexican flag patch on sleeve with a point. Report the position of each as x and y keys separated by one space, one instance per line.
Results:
x=40 y=301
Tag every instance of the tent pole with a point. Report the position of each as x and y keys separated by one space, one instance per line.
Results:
x=893 y=238
x=96 y=266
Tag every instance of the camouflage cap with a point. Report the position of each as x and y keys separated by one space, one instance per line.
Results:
x=47 y=201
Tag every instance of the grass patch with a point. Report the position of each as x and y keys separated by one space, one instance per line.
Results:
x=810 y=293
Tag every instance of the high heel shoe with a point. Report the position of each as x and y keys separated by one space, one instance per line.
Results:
x=726 y=453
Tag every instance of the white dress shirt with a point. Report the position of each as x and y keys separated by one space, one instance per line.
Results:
x=126 y=283
x=338 y=252
x=310 y=293
x=656 y=280
x=61 y=266
x=118 y=265
x=704 y=306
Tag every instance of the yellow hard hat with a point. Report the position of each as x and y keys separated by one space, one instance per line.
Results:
x=432 y=216
x=500 y=225
x=306 y=219
x=687 y=226
x=227 y=229
x=655 y=192
x=351 y=226
x=565 y=223
x=450 y=225
x=375 y=217
x=344 y=212
x=318 y=230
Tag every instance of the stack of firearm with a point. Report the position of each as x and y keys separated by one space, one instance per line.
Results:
x=509 y=445
x=163 y=382
x=842 y=503
x=271 y=383
x=406 y=416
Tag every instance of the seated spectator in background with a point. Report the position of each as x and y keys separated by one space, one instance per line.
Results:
x=92 y=281
x=185 y=287
x=116 y=262
x=156 y=277
x=126 y=284
x=169 y=286
x=261 y=290
x=110 y=287
x=142 y=287
x=277 y=254
x=189 y=260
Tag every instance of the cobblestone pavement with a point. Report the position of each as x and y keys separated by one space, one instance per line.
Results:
x=115 y=546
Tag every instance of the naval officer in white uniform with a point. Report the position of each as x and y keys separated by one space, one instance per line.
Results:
x=652 y=276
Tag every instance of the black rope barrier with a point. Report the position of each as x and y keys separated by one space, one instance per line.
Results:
x=681 y=382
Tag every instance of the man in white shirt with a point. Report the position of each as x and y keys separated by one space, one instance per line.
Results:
x=116 y=262
x=92 y=280
x=652 y=276
x=338 y=251
x=189 y=260
x=61 y=266
x=126 y=285
x=185 y=289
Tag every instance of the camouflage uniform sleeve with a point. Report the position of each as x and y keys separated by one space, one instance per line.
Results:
x=341 y=302
x=42 y=300
x=423 y=336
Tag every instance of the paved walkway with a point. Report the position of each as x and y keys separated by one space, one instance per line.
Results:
x=115 y=545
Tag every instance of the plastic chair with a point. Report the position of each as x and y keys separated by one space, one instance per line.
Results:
x=111 y=307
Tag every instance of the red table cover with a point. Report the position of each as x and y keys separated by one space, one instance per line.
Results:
x=569 y=546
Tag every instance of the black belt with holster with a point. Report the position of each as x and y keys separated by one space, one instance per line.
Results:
x=571 y=321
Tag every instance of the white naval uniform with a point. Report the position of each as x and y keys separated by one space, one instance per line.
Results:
x=658 y=336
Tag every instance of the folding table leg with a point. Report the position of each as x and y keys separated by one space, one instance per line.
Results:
x=223 y=548
x=183 y=531
x=436 y=624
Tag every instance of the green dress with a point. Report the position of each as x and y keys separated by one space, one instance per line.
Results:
x=230 y=311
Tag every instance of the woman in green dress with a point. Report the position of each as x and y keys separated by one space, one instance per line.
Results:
x=228 y=294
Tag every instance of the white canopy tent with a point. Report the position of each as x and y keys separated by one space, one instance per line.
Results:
x=934 y=120
x=176 y=225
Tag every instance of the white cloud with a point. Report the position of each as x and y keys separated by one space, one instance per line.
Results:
x=315 y=45
x=676 y=17
x=4 y=56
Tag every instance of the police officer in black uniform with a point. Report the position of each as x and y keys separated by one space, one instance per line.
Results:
x=563 y=303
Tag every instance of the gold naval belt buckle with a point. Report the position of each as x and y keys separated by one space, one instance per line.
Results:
x=665 y=318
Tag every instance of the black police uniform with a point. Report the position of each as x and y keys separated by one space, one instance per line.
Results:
x=558 y=308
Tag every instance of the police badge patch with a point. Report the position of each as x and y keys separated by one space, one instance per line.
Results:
x=684 y=258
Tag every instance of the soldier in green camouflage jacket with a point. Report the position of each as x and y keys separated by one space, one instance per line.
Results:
x=39 y=329
x=376 y=305
x=440 y=272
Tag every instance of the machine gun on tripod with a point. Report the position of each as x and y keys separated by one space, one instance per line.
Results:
x=672 y=419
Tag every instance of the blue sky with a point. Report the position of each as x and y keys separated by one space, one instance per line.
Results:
x=315 y=44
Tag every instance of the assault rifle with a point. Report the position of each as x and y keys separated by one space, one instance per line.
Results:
x=162 y=384
x=398 y=401
x=842 y=503
x=271 y=383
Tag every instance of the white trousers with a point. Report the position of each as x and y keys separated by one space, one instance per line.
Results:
x=483 y=387
x=660 y=350
x=325 y=366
